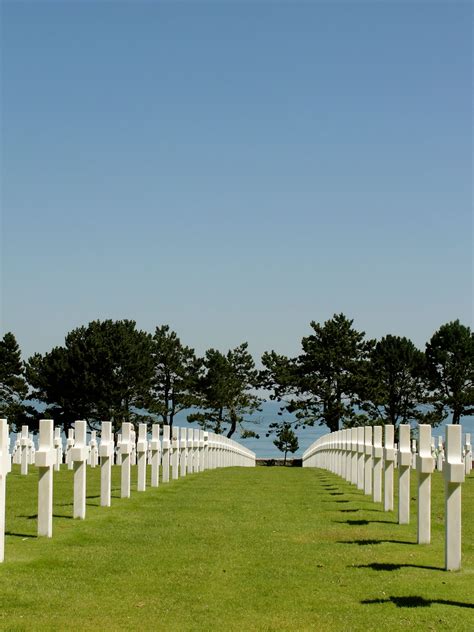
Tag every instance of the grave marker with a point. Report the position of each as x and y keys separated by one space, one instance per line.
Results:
x=5 y=468
x=142 y=447
x=25 y=446
x=166 y=454
x=206 y=450
x=44 y=460
x=353 y=432
x=106 y=454
x=425 y=466
x=413 y=454
x=133 y=451
x=93 y=451
x=32 y=450
x=360 y=458
x=404 y=462
x=190 y=443
x=58 y=444
x=79 y=454
x=201 y=451
x=175 y=453
x=377 y=465
x=440 y=457
x=196 y=455
x=16 y=452
x=155 y=455
x=454 y=476
x=367 y=459
x=118 y=453
x=69 y=447
x=183 y=452
x=467 y=453
x=389 y=459
x=125 y=453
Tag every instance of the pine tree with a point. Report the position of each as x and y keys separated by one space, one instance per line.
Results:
x=450 y=357
x=286 y=440
x=103 y=371
x=176 y=372
x=13 y=386
x=226 y=391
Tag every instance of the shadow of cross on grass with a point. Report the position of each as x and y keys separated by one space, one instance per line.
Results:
x=368 y=541
x=21 y=535
x=417 y=602
x=378 y=566
x=363 y=521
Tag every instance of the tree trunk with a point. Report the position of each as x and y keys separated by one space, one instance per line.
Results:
x=233 y=424
x=456 y=416
x=284 y=460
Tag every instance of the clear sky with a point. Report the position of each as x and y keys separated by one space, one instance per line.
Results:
x=235 y=170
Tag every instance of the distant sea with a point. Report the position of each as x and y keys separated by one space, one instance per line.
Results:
x=264 y=447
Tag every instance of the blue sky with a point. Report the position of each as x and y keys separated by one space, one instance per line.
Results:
x=235 y=170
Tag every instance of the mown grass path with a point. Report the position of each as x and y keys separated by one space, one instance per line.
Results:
x=236 y=549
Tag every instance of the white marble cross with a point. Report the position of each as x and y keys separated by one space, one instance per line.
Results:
x=183 y=447
x=69 y=447
x=59 y=449
x=142 y=448
x=453 y=469
x=413 y=454
x=16 y=452
x=467 y=453
x=440 y=457
x=196 y=455
x=45 y=457
x=32 y=450
x=368 y=460
x=389 y=459
x=79 y=455
x=125 y=452
x=118 y=453
x=425 y=466
x=377 y=454
x=404 y=462
x=93 y=450
x=133 y=452
x=25 y=448
x=353 y=435
x=155 y=448
x=190 y=442
x=360 y=457
x=206 y=450
x=5 y=468
x=106 y=454
x=166 y=454
x=175 y=453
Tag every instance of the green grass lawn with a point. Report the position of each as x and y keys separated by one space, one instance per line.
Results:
x=235 y=549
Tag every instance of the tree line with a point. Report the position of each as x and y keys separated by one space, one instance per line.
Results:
x=112 y=370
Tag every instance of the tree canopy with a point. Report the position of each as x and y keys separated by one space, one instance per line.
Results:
x=450 y=357
x=175 y=378
x=103 y=371
x=320 y=384
x=226 y=391
x=111 y=370
x=13 y=385
x=286 y=440
x=392 y=383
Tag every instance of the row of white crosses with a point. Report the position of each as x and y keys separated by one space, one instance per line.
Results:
x=357 y=454
x=23 y=452
x=437 y=451
x=188 y=451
